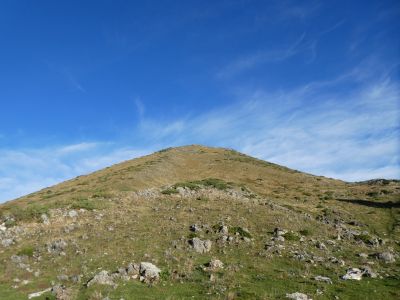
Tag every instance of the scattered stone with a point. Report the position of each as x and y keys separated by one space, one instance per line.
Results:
x=246 y=239
x=7 y=242
x=102 y=277
x=38 y=294
x=200 y=246
x=195 y=228
x=149 y=271
x=298 y=296
x=224 y=230
x=57 y=247
x=367 y=272
x=353 y=274
x=61 y=292
x=335 y=260
x=363 y=255
x=215 y=264
x=76 y=278
x=279 y=238
x=72 y=213
x=45 y=219
x=323 y=279
x=279 y=232
x=62 y=277
x=321 y=245
x=386 y=257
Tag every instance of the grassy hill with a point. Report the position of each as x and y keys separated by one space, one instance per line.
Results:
x=273 y=229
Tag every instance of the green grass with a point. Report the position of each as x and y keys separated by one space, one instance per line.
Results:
x=291 y=236
x=28 y=251
x=87 y=204
x=240 y=231
x=305 y=232
x=196 y=185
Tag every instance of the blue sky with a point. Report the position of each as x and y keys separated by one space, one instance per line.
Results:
x=313 y=85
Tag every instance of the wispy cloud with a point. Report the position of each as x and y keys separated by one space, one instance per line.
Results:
x=247 y=62
x=319 y=127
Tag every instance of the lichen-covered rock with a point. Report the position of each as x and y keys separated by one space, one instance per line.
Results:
x=200 y=246
x=102 y=277
x=149 y=271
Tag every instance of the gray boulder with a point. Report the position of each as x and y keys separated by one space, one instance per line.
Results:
x=149 y=271
x=386 y=257
x=101 y=278
x=353 y=274
x=200 y=246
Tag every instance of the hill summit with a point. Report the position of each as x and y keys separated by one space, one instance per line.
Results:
x=196 y=222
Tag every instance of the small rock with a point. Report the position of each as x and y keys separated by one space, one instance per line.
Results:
x=200 y=246
x=3 y=227
x=224 y=230
x=101 y=278
x=215 y=264
x=298 y=296
x=62 y=277
x=279 y=238
x=386 y=257
x=353 y=274
x=72 y=213
x=367 y=272
x=149 y=271
x=195 y=228
x=76 y=278
x=45 y=219
x=321 y=245
x=7 y=242
x=61 y=292
x=279 y=232
x=38 y=294
x=323 y=279
x=57 y=246
x=363 y=255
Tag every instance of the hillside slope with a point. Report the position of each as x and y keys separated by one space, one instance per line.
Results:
x=213 y=223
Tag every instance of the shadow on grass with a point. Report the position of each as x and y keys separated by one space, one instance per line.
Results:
x=388 y=204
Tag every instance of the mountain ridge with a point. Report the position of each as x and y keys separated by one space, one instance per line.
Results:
x=191 y=221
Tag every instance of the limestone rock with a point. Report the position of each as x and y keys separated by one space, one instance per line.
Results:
x=298 y=296
x=323 y=279
x=149 y=271
x=386 y=257
x=200 y=246
x=102 y=277
x=353 y=274
x=215 y=264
